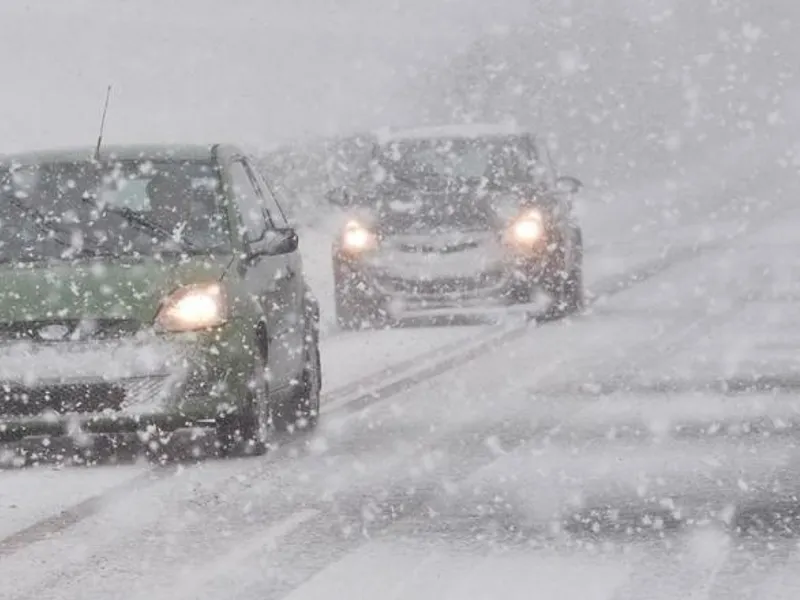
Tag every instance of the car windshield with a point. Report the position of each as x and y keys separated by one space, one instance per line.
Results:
x=53 y=210
x=497 y=159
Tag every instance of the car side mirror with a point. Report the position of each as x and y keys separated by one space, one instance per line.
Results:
x=338 y=196
x=568 y=184
x=275 y=243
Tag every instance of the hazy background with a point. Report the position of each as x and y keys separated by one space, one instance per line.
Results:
x=630 y=87
x=237 y=70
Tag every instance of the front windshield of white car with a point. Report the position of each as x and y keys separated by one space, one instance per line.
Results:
x=494 y=159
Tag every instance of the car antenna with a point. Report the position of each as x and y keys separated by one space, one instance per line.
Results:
x=102 y=125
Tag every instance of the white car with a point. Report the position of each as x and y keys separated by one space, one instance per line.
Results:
x=448 y=220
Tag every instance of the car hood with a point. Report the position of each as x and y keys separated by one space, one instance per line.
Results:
x=446 y=210
x=97 y=289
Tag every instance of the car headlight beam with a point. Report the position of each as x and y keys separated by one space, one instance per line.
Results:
x=528 y=228
x=358 y=238
x=193 y=308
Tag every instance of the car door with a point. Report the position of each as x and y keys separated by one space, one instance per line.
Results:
x=292 y=282
x=264 y=276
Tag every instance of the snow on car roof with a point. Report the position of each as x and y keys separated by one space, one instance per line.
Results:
x=118 y=152
x=470 y=130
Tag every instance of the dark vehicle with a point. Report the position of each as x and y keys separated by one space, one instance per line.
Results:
x=151 y=294
x=448 y=220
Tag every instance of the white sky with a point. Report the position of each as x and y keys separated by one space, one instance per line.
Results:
x=238 y=70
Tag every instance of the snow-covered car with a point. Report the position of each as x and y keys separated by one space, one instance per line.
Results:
x=448 y=220
x=151 y=293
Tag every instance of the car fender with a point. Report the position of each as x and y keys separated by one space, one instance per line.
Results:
x=311 y=306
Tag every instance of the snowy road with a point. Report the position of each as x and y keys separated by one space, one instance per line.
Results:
x=478 y=462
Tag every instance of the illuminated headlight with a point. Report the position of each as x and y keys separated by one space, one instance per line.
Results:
x=357 y=237
x=192 y=308
x=528 y=228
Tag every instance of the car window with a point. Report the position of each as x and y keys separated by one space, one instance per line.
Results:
x=498 y=159
x=271 y=205
x=100 y=204
x=248 y=201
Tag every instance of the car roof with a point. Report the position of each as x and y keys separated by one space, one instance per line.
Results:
x=470 y=130
x=187 y=152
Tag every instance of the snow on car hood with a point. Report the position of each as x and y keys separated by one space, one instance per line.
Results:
x=38 y=296
x=108 y=289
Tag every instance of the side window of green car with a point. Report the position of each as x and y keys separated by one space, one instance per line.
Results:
x=274 y=211
x=249 y=203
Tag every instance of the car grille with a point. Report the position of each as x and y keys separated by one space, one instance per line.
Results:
x=441 y=249
x=23 y=401
x=443 y=285
x=82 y=398
x=68 y=329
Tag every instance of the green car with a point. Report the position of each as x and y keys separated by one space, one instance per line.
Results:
x=151 y=294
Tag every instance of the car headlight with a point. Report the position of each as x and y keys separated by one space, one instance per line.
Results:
x=358 y=238
x=192 y=308
x=528 y=228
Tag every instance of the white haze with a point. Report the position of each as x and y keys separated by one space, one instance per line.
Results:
x=197 y=70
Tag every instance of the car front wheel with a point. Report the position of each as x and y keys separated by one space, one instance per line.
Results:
x=246 y=431
x=567 y=292
x=301 y=412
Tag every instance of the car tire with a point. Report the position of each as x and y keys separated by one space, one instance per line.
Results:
x=301 y=413
x=572 y=292
x=567 y=292
x=246 y=432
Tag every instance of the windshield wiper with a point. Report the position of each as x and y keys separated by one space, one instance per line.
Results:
x=140 y=221
x=55 y=233
x=39 y=219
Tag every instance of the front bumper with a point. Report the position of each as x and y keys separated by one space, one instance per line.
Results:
x=417 y=299
x=142 y=386
x=513 y=285
x=162 y=438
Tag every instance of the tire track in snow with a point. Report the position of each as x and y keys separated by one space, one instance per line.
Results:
x=777 y=580
x=44 y=529
x=215 y=575
x=711 y=565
